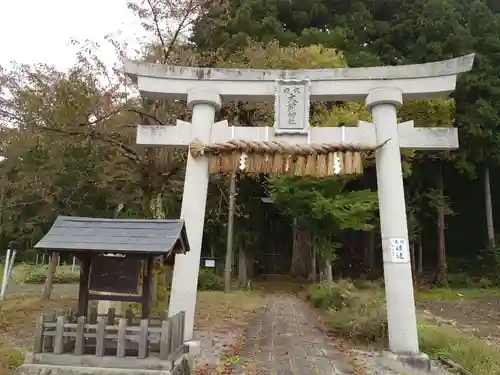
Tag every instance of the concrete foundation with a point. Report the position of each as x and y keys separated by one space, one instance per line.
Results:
x=411 y=364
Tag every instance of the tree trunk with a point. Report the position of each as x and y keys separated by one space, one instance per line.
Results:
x=420 y=268
x=301 y=252
x=442 y=266
x=489 y=207
x=242 y=267
x=413 y=264
x=328 y=271
x=313 y=271
x=230 y=232
x=51 y=269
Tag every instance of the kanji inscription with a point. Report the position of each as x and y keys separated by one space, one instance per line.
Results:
x=399 y=250
x=292 y=106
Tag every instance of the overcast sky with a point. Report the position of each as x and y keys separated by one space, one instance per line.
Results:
x=40 y=30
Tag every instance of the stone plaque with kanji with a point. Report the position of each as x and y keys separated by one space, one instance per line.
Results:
x=292 y=106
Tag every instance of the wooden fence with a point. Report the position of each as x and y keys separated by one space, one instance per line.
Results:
x=111 y=335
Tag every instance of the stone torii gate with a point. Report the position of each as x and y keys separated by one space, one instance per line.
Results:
x=382 y=88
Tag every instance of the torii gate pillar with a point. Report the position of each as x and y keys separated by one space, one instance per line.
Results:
x=194 y=200
x=393 y=223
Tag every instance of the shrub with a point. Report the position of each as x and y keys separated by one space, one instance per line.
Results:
x=38 y=275
x=351 y=312
x=209 y=280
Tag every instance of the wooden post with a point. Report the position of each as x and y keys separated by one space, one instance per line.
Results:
x=228 y=267
x=100 y=337
x=129 y=315
x=83 y=289
x=146 y=288
x=59 y=335
x=174 y=336
x=120 y=349
x=93 y=315
x=48 y=341
x=165 y=340
x=143 y=339
x=38 y=340
x=79 y=336
x=183 y=323
x=111 y=316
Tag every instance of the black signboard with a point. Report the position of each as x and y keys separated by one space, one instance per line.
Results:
x=115 y=274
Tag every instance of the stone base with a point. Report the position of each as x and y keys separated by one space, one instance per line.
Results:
x=32 y=369
x=411 y=364
x=69 y=364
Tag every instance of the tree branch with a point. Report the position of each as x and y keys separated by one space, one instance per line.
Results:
x=158 y=31
x=177 y=32
x=141 y=113
x=125 y=150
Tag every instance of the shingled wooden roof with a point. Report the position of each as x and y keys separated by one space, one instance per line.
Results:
x=134 y=236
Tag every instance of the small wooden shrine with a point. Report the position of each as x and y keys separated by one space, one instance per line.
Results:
x=116 y=255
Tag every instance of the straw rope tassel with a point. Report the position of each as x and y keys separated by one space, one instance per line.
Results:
x=358 y=163
x=348 y=158
x=341 y=162
x=321 y=165
x=278 y=160
x=227 y=161
x=329 y=163
x=267 y=163
x=213 y=163
x=300 y=165
x=311 y=165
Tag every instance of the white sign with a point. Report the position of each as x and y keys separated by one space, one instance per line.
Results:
x=399 y=250
x=292 y=106
x=210 y=263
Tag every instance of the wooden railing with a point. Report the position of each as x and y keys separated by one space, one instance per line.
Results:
x=101 y=336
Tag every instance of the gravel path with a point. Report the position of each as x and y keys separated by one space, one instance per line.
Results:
x=284 y=340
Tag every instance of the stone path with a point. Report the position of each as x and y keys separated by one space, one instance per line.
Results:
x=284 y=340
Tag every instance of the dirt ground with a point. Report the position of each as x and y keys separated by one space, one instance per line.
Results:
x=479 y=316
x=220 y=320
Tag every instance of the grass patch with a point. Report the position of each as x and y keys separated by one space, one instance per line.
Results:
x=18 y=317
x=456 y=294
x=357 y=312
x=31 y=274
x=10 y=358
x=470 y=352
